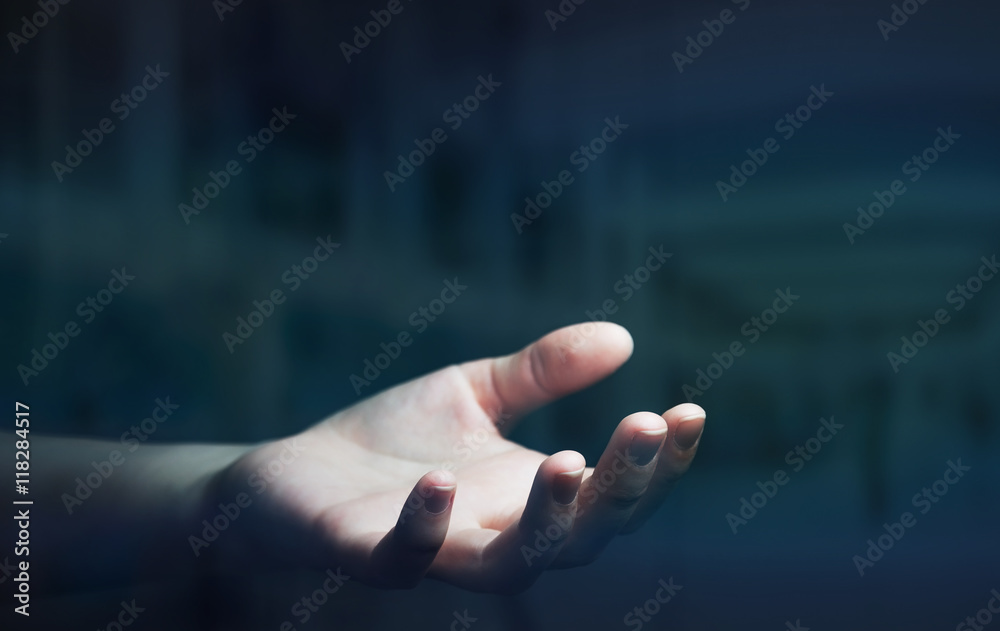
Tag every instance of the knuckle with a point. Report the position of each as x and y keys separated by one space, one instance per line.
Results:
x=624 y=499
x=678 y=466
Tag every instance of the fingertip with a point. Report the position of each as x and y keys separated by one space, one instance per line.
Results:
x=688 y=423
x=437 y=478
x=615 y=335
x=565 y=462
x=646 y=422
x=558 y=478
x=685 y=412
x=437 y=488
x=440 y=500
x=564 y=471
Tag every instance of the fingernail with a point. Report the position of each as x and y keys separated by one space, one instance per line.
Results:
x=689 y=431
x=645 y=445
x=565 y=486
x=440 y=499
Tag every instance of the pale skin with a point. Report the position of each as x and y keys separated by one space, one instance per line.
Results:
x=417 y=481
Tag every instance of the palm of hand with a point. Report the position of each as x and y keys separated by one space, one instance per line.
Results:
x=359 y=495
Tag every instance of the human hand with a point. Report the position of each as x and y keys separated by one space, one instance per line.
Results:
x=368 y=492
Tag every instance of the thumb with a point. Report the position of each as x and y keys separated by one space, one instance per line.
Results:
x=562 y=362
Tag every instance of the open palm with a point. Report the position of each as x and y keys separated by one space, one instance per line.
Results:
x=419 y=479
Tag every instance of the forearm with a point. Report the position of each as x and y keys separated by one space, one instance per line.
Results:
x=104 y=515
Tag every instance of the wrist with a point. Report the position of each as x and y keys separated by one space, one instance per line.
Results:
x=214 y=526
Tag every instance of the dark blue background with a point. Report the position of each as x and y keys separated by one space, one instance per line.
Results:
x=656 y=184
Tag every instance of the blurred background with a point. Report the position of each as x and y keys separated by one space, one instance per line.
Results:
x=216 y=72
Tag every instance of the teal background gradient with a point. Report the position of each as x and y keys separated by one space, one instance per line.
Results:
x=826 y=357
